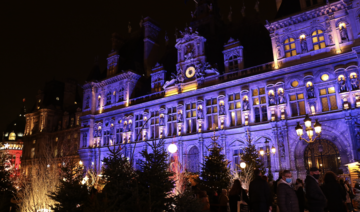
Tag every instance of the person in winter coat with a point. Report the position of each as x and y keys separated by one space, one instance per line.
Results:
x=315 y=196
x=237 y=193
x=259 y=194
x=299 y=189
x=334 y=192
x=204 y=199
x=286 y=196
x=348 y=190
x=223 y=200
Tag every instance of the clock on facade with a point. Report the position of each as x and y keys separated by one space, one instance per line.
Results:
x=190 y=72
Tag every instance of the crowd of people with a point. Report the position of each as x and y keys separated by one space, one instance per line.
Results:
x=329 y=194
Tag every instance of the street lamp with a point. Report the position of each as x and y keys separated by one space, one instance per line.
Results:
x=262 y=152
x=172 y=148
x=273 y=150
x=242 y=165
x=309 y=130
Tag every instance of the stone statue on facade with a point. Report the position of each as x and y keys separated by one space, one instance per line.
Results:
x=354 y=83
x=200 y=114
x=246 y=104
x=342 y=85
x=281 y=146
x=303 y=43
x=162 y=121
x=344 y=34
x=272 y=99
x=180 y=75
x=222 y=109
x=279 y=51
x=310 y=91
x=180 y=116
x=189 y=52
x=330 y=39
x=281 y=97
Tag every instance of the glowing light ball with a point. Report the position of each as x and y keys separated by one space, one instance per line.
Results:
x=172 y=148
x=243 y=165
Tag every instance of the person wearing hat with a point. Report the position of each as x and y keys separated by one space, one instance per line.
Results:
x=315 y=196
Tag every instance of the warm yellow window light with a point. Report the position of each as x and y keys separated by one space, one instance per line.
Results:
x=290 y=47
x=294 y=83
x=325 y=77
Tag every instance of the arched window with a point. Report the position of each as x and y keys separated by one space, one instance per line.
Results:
x=193 y=160
x=108 y=98
x=233 y=63
x=290 y=47
x=318 y=39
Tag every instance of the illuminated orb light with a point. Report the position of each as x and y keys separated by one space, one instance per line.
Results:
x=172 y=148
x=243 y=165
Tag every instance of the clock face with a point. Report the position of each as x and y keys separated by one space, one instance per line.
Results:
x=190 y=72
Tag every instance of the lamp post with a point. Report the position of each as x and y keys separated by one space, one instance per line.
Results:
x=309 y=130
x=172 y=148
x=262 y=152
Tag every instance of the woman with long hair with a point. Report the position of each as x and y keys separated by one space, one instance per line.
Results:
x=334 y=192
x=237 y=193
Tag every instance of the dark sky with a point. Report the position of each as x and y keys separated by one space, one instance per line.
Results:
x=45 y=40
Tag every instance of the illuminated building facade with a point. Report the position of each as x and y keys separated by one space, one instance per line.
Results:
x=315 y=71
x=54 y=122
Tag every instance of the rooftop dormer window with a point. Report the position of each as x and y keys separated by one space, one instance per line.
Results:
x=290 y=47
x=233 y=63
x=318 y=39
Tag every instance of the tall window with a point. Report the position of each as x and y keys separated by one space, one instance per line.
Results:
x=121 y=95
x=84 y=140
x=328 y=99
x=106 y=138
x=154 y=125
x=297 y=104
x=212 y=114
x=290 y=47
x=191 y=118
x=318 y=39
x=237 y=157
x=235 y=109
x=118 y=135
x=172 y=122
x=233 y=63
x=108 y=98
x=259 y=103
x=138 y=127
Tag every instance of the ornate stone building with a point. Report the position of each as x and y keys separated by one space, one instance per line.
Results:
x=315 y=71
x=53 y=122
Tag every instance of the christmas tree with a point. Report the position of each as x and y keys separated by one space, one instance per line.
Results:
x=215 y=172
x=251 y=158
x=155 y=179
x=119 y=194
x=71 y=194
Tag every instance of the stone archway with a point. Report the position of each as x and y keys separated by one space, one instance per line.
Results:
x=322 y=154
x=193 y=162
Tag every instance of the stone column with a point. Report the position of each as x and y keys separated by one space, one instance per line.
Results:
x=201 y=147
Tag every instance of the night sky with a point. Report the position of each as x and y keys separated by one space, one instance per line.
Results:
x=46 y=40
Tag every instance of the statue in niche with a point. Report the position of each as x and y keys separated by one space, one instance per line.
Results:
x=200 y=113
x=222 y=108
x=281 y=97
x=303 y=43
x=330 y=38
x=354 y=82
x=189 y=54
x=342 y=84
x=180 y=75
x=310 y=91
x=343 y=33
x=180 y=117
x=246 y=104
x=162 y=121
x=281 y=146
x=272 y=98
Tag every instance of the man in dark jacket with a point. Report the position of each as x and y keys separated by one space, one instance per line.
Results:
x=259 y=194
x=286 y=196
x=315 y=197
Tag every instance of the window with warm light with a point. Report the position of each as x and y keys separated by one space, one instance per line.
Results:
x=318 y=39
x=294 y=84
x=172 y=121
x=190 y=118
x=324 y=77
x=260 y=106
x=234 y=109
x=297 y=104
x=12 y=136
x=290 y=47
x=212 y=113
x=328 y=99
